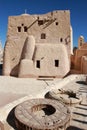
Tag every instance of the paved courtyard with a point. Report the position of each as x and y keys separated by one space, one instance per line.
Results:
x=13 y=89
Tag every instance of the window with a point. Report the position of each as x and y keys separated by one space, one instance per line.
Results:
x=40 y=22
x=38 y=64
x=25 y=29
x=56 y=63
x=19 y=29
x=61 y=39
x=43 y=36
x=56 y=23
x=22 y=24
x=1 y=66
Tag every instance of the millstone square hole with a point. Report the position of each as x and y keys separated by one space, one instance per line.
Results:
x=43 y=110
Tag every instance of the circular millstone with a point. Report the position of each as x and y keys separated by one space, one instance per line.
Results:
x=65 y=96
x=42 y=114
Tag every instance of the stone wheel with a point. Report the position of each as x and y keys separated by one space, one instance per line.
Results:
x=42 y=114
x=67 y=97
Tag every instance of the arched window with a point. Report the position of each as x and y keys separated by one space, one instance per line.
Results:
x=25 y=29
x=19 y=29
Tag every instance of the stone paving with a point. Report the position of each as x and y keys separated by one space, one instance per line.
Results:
x=79 y=112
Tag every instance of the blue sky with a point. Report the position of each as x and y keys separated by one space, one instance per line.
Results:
x=78 y=9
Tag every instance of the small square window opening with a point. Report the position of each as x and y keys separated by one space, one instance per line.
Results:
x=38 y=63
x=40 y=22
x=43 y=36
x=56 y=63
x=56 y=23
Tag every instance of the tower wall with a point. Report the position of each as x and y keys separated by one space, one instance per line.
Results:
x=51 y=28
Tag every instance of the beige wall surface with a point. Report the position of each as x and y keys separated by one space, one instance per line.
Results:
x=47 y=56
x=79 y=59
x=52 y=28
x=84 y=65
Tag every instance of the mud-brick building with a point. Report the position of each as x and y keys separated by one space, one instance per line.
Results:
x=38 y=45
x=79 y=58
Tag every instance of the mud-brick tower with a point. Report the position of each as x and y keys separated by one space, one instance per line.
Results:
x=38 y=45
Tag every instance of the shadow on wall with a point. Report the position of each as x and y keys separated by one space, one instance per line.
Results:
x=14 y=71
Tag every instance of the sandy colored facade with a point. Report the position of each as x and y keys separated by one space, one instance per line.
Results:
x=38 y=45
x=79 y=59
x=1 y=53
